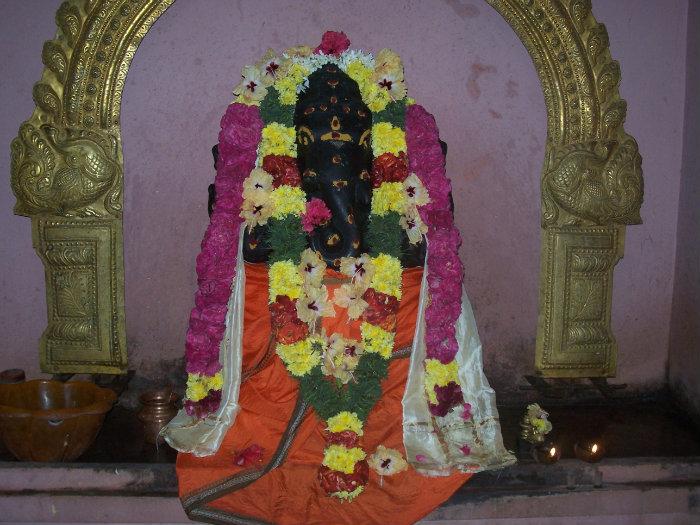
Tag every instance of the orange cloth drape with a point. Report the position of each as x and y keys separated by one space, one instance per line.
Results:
x=291 y=494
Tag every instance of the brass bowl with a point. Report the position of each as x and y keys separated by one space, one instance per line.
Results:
x=43 y=420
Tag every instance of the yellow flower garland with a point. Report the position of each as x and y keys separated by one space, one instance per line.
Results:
x=345 y=421
x=198 y=385
x=387 y=275
x=287 y=200
x=389 y=196
x=284 y=280
x=376 y=339
x=300 y=357
x=438 y=374
x=387 y=139
x=277 y=139
x=342 y=459
x=287 y=84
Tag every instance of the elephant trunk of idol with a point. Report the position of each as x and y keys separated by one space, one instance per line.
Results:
x=337 y=174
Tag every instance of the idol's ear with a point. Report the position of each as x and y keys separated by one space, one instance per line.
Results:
x=443 y=147
x=215 y=153
x=212 y=188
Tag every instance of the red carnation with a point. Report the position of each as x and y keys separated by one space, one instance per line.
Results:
x=285 y=322
x=381 y=309
x=333 y=43
x=284 y=170
x=334 y=481
x=347 y=438
x=389 y=168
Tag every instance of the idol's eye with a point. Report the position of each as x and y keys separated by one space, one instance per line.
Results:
x=304 y=136
x=309 y=110
x=361 y=113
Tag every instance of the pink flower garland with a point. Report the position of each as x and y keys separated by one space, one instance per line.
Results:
x=445 y=269
x=241 y=131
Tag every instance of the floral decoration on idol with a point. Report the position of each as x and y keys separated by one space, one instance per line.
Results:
x=258 y=183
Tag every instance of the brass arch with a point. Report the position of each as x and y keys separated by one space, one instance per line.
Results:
x=67 y=175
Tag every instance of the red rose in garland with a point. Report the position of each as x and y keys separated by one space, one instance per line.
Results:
x=285 y=322
x=347 y=438
x=389 y=168
x=283 y=169
x=334 y=481
x=381 y=309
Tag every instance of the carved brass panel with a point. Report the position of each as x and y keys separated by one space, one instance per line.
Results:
x=579 y=261
x=85 y=294
x=67 y=174
x=591 y=183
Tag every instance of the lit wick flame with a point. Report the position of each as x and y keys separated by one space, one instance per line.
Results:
x=552 y=451
x=594 y=448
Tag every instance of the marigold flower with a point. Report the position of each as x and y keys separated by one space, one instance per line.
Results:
x=376 y=339
x=387 y=139
x=387 y=275
x=359 y=72
x=199 y=385
x=300 y=357
x=284 y=280
x=342 y=459
x=389 y=168
x=285 y=322
x=288 y=82
x=283 y=168
x=439 y=374
x=345 y=421
x=278 y=139
x=334 y=482
x=389 y=196
x=287 y=200
x=381 y=309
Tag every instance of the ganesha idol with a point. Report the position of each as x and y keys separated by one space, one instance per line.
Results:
x=334 y=366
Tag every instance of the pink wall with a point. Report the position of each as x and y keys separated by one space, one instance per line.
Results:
x=463 y=62
x=685 y=327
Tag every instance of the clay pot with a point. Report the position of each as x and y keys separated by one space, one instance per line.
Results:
x=43 y=420
x=159 y=407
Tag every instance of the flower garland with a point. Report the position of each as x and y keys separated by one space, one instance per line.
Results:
x=258 y=182
x=241 y=129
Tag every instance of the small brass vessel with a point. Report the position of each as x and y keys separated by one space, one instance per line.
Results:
x=158 y=408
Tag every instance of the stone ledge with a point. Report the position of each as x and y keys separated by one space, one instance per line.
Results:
x=614 y=491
